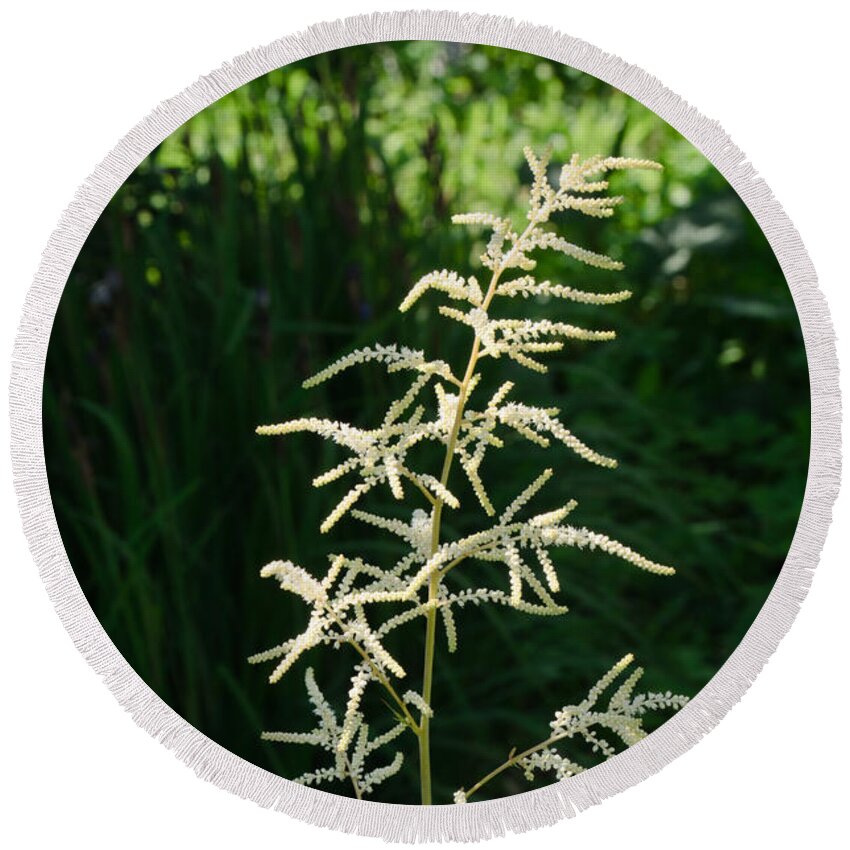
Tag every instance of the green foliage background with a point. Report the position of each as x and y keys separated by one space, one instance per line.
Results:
x=280 y=228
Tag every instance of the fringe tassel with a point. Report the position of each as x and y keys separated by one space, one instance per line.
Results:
x=474 y=821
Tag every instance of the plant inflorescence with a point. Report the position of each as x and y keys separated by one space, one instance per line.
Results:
x=357 y=604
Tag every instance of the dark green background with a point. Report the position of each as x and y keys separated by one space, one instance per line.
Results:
x=280 y=228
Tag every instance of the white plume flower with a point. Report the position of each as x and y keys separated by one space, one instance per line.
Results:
x=358 y=605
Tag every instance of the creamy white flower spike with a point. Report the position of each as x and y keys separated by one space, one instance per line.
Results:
x=421 y=526
x=418 y=702
x=296 y=580
x=603 y=731
x=349 y=753
x=358 y=605
x=528 y=287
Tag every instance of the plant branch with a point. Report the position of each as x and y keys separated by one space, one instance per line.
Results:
x=422 y=489
x=357 y=792
x=471 y=553
x=513 y=760
x=379 y=676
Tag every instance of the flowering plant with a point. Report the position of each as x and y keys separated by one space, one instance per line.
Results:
x=357 y=604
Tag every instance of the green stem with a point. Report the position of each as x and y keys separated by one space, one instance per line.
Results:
x=414 y=480
x=434 y=579
x=511 y=761
x=357 y=792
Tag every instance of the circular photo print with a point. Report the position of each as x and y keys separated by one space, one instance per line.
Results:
x=426 y=422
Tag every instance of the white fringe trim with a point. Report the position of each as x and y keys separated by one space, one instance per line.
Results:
x=474 y=821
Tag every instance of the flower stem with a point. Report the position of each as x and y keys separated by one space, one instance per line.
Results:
x=511 y=761
x=357 y=792
x=434 y=579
